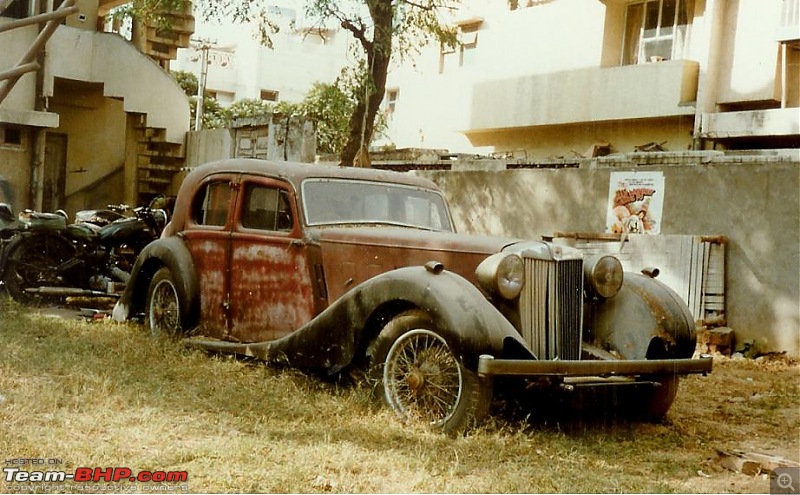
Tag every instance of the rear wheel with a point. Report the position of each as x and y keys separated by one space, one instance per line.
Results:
x=34 y=262
x=163 y=305
x=419 y=377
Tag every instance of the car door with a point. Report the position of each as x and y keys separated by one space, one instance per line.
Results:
x=207 y=236
x=271 y=292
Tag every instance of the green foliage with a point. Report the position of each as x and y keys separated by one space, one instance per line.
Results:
x=381 y=28
x=152 y=12
x=249 y=108
x=215 y=116
x=187 y=81
x=330 y=108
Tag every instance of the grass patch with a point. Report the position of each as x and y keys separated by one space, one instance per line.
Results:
x=104 y=395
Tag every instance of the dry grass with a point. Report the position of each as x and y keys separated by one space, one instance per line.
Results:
x=104 y=395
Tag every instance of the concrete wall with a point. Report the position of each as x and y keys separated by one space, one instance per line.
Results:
x=266 y=137
x=85 y=115
x=15 y=168
x=754 y=202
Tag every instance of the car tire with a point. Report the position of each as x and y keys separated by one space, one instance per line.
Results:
x=164 y=305
x=661 y=397
x=418 y=376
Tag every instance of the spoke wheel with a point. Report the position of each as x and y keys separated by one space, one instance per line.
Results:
x=163 y=305
x=419 y=377
x=34 y=262
x=423 y=379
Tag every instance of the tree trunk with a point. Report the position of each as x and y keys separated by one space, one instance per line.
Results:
x=379 y=50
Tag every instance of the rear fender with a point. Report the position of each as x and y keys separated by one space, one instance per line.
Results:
x=168 y=252
x=332 y=340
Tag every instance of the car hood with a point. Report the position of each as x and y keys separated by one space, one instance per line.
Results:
x=352 y=255
x=411 y=238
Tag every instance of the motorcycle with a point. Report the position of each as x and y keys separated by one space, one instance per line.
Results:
x=48 y=258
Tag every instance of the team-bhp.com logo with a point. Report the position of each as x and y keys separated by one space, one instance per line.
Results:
x=20 y=473
x=84 y=474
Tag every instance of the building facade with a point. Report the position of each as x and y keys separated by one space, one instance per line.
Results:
x=238 y=66
x=99 y=119
x=540 y=79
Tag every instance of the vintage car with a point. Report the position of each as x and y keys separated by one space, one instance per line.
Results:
x=333 y=268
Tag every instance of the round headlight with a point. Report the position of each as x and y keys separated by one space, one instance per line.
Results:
x=603 y=276
x=502 y=274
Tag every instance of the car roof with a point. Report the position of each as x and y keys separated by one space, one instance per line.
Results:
x=296 y=172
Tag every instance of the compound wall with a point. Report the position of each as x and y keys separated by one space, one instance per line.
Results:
x=754 y=201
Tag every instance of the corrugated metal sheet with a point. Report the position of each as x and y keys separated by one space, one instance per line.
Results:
x=692 y=266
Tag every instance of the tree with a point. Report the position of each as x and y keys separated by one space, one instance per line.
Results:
x=383 y=29
x=394 y=27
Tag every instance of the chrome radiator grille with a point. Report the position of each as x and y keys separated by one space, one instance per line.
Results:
x=551 y=308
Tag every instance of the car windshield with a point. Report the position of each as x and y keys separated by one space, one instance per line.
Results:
x=338 y=201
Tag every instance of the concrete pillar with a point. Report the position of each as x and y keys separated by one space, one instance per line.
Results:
x=707 y=31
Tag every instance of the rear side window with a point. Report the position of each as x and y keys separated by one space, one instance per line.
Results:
x=266 y=208
x=211 y=204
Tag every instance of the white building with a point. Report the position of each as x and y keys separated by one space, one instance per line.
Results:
x=538 y=79
x=240 y=67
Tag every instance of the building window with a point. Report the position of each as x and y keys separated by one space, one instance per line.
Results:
x=269 y=95
x=468 y=42
x=790 y=13
x=11 y=136
x=18 y=9
x=656 y=30
x=391 y=101
x=463 y=55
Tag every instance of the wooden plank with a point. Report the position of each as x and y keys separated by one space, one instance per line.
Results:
x=752 y=463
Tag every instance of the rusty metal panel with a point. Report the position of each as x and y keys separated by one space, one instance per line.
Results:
x=271 y=292
x=354 y=255
x=209 y=253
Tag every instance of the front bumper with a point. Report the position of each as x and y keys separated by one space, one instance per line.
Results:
x=489 y=366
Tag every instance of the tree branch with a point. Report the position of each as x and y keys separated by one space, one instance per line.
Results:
x=359 y=32
x=430 y=7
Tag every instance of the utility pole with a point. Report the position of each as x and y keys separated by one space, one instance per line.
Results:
x=202 y=46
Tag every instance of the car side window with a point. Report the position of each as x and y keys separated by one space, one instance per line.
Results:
x=211 y=204
x=266 y=208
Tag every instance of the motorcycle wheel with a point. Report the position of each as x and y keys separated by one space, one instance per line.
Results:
x=33 y=262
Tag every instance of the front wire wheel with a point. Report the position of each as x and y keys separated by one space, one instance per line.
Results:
x=163 y=305
x=420 y=378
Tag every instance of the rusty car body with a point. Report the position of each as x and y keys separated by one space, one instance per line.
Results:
x=333 y=268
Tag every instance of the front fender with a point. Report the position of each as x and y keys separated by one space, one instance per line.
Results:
x=645 y=320
x=168 y=252
x=469 y=323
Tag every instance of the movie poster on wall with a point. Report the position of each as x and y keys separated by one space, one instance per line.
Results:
x=635 y=202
